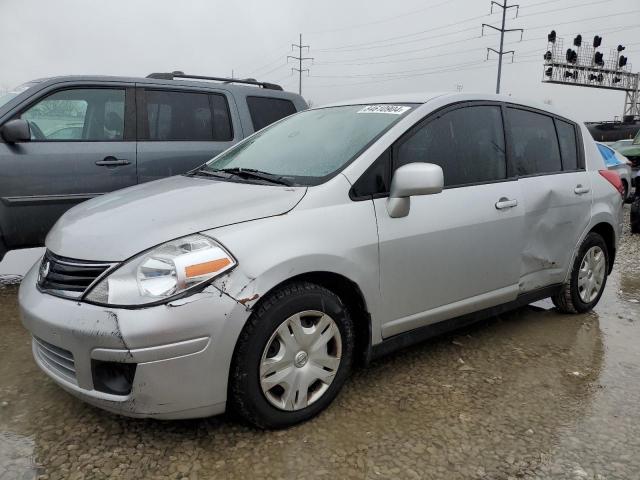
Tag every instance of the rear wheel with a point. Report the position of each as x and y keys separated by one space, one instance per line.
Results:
x=293 y=356
x=588 y=277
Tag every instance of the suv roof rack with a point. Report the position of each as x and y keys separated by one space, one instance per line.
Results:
x=247 y=81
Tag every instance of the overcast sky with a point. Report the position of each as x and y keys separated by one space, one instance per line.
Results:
x=360 y=47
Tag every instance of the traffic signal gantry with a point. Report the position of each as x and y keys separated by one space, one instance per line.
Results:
x=583 y=65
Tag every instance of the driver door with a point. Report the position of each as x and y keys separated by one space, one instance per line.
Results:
x=82 y=145
x=457 y=251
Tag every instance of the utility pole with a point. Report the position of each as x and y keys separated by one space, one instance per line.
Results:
x=300 y=59
x=502 y=31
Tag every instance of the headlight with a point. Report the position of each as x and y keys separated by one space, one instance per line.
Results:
x=163 y=272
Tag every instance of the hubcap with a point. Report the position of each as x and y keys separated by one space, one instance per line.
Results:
x=591 y=274
x=300 y=360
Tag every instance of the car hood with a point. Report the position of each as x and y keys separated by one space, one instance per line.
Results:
x=118 y=225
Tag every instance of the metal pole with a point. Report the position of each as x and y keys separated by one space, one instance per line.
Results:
x=501 y=54
x=300 y=67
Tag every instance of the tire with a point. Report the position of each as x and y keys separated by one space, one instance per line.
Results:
x=635 y=215
x=625 y=194
x=268 y=337
x=573 y=298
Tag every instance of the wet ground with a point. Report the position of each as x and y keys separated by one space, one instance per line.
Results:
x=532 y=394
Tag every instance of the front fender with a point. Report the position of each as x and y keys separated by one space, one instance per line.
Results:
x=340 y=239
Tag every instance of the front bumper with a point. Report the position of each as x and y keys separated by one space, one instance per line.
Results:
x=182 y=351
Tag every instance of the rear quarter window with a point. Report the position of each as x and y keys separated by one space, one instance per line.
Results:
x=265 y=110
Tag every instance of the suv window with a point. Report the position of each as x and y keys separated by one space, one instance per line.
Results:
x=81 y=114
x=568 y=145
x=186 y=116
x=265 y=111
x=534 y=143
x=468 y=143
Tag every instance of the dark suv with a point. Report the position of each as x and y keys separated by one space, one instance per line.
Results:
x=64 y=140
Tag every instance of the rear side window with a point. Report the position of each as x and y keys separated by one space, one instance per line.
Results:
x=186 y=116
x=265 y=111
x=468 y=143
x=568 y=145
x=80 y=114
x=534 y=143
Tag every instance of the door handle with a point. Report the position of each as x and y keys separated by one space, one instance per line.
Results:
x=580 y=190
x=112 y=162
x=504 y=203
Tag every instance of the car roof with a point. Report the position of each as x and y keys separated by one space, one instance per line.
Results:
x=247 y=89
x=449 y=97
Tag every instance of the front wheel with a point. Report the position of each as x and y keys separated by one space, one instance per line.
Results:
x=588 y=277
x=293 y=356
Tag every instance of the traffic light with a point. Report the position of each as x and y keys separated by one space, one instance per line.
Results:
x=549 y=72
x=622 y=62
x=597 y=41
x=599 y=59
x=616 y=80
x=578 y=41
x=572 y=56
x=548 y=56
x=569 y=74
x=621 y=48
x=552 y=36
x=598 y=77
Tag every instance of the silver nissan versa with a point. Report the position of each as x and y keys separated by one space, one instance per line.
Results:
x=255 y=282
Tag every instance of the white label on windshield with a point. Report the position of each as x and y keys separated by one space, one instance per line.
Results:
x=392 y=109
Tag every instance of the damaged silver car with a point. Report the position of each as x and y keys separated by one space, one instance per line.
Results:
x=255 y=282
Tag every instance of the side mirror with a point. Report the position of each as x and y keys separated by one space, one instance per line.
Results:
x=411 y=180
x=16 y=131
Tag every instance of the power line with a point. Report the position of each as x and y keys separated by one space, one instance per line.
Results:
x=384 y=20
x=358 y=60
x=597 y=2
x=348 y=47
x=501 y=53
x=300 y=59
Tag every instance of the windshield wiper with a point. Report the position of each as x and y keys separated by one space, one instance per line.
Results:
x=253 y=173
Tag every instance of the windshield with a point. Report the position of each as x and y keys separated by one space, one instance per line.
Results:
x=5 y=97
x=308 y=147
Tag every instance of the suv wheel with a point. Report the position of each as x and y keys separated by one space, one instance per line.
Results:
x=588 y=277
x=293 y=356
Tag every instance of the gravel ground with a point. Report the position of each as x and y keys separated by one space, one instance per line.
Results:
x=532 y=394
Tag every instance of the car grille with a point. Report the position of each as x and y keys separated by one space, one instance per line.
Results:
x=66 y=277
x=56 y=359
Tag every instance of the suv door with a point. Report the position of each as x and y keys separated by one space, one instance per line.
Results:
x=178 y=130
x=456 y=251
x=82 y=145
x=556 y=189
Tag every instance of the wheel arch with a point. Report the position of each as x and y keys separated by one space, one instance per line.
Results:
x=353 y=298
x=607 y=232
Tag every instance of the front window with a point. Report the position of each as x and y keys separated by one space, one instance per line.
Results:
x=82 y=114
x=5 y=97
x=310 y=146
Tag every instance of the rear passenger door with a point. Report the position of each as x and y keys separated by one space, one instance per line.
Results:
x=548 y=160
x=180 y=129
